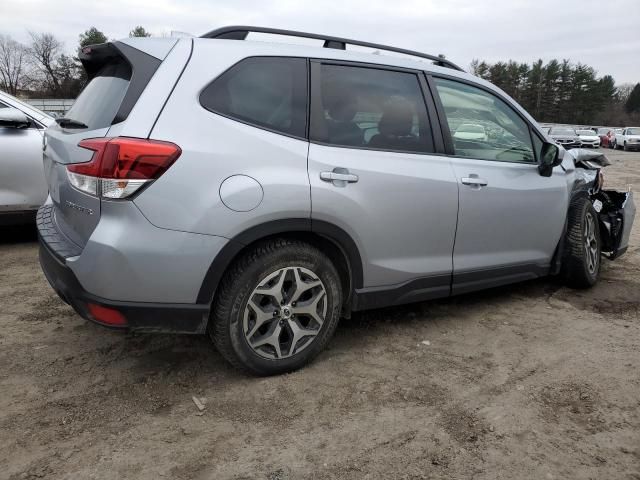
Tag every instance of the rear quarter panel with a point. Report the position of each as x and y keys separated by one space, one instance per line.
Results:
x=214 y=148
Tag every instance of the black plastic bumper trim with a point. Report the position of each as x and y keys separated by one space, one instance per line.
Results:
x=141 y=317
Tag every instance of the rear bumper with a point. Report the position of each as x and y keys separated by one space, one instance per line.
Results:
x=56 y=250
x=146 y=317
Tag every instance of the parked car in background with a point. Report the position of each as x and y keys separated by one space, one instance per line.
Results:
x=545 y=130
x=565 y=136
x=23 y=188
x=616 y=131
x=588 y=138
x=183 y=178
x=606 y=136
x=628 y=139
x=471 y=131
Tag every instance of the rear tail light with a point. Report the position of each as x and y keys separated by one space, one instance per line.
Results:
x=121 y=166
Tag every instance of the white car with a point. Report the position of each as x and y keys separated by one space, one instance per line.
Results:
x=23 y=188
x=588 y=138
x=471 y=131
x=628 y=139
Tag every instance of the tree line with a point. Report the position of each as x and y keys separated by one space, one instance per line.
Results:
x=42 y=68
x=563 y=92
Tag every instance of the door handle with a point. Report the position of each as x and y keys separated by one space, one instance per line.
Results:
x=339 y=177
x=474 y=181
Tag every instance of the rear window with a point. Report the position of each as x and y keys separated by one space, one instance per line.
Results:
x=267 y=92
x=100 y=100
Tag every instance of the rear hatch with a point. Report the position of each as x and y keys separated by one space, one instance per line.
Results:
x=117 y=74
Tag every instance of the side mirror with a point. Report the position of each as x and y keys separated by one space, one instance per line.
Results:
x=13 y=118
x=550 y=156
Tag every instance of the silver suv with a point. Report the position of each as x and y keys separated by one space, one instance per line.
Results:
x=260 y=191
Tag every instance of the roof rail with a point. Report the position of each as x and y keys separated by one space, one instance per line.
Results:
x=241 y=32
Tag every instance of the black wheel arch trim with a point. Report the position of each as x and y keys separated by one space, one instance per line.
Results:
x=229 y=252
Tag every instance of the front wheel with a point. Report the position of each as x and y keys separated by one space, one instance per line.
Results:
x=581 y=262
x=277 y=307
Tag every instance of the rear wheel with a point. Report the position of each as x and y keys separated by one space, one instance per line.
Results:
x=277 y=308
x=581 y=263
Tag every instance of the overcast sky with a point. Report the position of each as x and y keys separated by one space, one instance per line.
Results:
x=603 y=34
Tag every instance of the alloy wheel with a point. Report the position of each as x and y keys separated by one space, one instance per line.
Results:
x=285 y=312
x=591 y=243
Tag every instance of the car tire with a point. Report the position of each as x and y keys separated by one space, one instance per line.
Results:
x=277 y=331
x=624 y=147
x=582 y=259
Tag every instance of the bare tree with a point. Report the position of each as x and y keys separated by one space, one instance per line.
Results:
x=623 y=91
x=44 y=52
x=12 y=63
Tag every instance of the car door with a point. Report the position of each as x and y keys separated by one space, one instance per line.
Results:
x=22 y=183
x=510 y=218
x=374 y=174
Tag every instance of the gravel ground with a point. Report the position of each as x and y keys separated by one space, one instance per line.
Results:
x=529 y=381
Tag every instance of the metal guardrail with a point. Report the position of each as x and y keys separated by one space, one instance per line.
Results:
x=58 y=106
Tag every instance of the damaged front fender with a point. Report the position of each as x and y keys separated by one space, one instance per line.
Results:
x=616 y=210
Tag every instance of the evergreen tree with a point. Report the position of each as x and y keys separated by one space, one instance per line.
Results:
x=92 y=36
x=556 y=92
x=139 y=31
x=632 y=105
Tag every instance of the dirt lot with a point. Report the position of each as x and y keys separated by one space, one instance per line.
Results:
x=528 y=381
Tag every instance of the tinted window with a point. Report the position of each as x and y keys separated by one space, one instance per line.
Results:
x=268 y=92
x=482 y=125
x=370 y=108
x=100 y=100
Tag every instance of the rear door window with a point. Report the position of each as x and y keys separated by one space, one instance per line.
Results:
x=100 y=100
x=267 y=92
x=370 y=108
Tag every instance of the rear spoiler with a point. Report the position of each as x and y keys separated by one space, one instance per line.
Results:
x=142 y=65
x=94 y=57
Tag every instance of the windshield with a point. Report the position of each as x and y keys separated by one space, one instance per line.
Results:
x=633 y=131
x=586 y=132
x=562 y=131
x=100 y=100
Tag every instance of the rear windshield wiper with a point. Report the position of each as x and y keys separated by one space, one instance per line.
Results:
x=70 y=123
